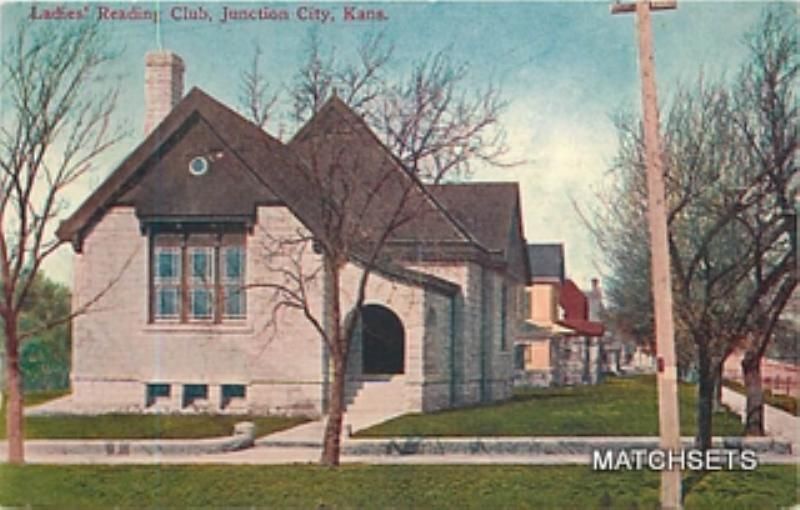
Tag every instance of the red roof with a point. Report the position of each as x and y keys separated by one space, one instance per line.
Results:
x=573 y=301
x=576 y=311
x=583 y=327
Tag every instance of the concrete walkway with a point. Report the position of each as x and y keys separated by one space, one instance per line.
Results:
x=777 y=422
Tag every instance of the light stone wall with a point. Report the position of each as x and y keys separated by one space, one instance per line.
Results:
x=478 y=331
x=408 y=303
x=113 y=264
x=468 y=326
x=500 y=341
x=116 y=352
x=439 y=386
x=278 y=357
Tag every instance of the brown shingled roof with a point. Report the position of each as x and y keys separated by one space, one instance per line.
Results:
x=378 y=190
x=486 y=209
x=253 y=149
x=491 y=211
x=260 y=169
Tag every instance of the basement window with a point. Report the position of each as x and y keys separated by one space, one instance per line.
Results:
x=158 y=393
x=195 y=394
x=233 y=395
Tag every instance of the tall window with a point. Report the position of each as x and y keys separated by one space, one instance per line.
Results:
x=233 y=282
x=201 y=284
x=197 y=277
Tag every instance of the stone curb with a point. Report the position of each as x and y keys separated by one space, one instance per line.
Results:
x=146 y=447
x=531 y=446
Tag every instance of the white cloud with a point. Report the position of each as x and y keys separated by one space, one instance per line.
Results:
x=566 y=156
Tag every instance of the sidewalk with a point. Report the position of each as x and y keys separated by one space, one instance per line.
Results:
x=777 y=422
x=261 y=455
x=299 y=446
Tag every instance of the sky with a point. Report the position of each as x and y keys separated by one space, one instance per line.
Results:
x=563 y=67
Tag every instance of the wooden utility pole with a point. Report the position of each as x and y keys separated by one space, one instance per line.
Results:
x=667 y=376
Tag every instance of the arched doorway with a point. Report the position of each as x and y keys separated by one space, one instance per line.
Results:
x=383 y=341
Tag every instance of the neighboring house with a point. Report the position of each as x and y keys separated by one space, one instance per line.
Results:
x=537 y=345
x=559 y=344
x=179 y=241
x=581 y=348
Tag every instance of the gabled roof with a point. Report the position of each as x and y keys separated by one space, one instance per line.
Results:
x=546 y=262
x=335 y=156
x=337 y=145
x=253 y=148
x=486 y=209
x=491 y=211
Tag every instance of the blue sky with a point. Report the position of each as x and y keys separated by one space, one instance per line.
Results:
x=564 y=68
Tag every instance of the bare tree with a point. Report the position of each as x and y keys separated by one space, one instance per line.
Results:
x=362 y=197
x=430 y=118
x=256 y=97
x=703 y=162
x=428 y=127
x=730 y=154
x=56 y=123
x=767 y=115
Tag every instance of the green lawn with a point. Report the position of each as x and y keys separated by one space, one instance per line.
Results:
x=40 y=397
x=618 y=407
x=359 y=486
x=134 y=426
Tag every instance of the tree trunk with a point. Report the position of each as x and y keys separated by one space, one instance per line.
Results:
x=14 y=413
x=717 y=403
x=754 y=408
x=333 y=428
x=338 y=346
x=705 y=398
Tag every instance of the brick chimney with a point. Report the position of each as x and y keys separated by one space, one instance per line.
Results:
x=595 y=300
x=163 y=86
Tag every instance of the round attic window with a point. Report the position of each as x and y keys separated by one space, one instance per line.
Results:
x=198 y=165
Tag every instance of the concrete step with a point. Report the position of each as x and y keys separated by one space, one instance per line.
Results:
x=379 y=397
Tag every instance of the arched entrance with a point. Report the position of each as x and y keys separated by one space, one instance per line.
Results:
x=383 y=341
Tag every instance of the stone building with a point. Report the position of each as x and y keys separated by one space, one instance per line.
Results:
x=178 y=252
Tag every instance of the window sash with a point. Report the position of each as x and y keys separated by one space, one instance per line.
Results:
x=198 y=277
x=232 y=264
x=235 y=304
x=201 y=303
x=168 y=264
x=201 y=262
x=168 y=302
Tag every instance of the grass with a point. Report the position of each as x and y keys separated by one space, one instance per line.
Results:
x=40 y=397
x=138 y=426
x=618 y=407
x=786 y=402
x=359 y=486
